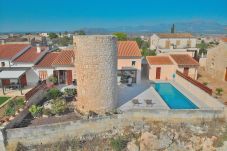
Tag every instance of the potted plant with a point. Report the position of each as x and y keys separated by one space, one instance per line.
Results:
x=69 y=94
x=53 y=93
x=35 y=110
x=52 y=81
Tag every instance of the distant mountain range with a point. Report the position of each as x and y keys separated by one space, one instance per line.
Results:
x=199 y=27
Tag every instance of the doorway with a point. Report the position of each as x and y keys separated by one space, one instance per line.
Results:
x=158 y=72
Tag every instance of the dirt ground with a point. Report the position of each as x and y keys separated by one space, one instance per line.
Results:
x=213 y=84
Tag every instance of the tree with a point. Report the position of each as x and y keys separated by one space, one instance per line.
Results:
x=173 y=29
x=120 y=35
x=52 y=35
x=139 y=41
x=81 y=32
x=202 y=47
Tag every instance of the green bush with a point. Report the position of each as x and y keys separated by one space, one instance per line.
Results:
x=70 y=92
x=53 y=79
x=10 y=111
x=54 y=93
x=19 y=103
x=47 y=112
x=118 y=144
x=36 y=111
x=58 y=106
x=219 y=91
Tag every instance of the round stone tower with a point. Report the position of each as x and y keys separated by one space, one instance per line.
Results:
x=96 y=72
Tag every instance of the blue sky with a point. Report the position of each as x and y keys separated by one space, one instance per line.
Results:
x=55 y=15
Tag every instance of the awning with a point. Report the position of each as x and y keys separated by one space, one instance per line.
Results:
x=14 y=73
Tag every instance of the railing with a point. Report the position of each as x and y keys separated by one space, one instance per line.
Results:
x=196 y=83
x=30 y=93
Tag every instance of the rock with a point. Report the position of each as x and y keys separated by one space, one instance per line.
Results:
x=148 y=141
x=207 y=144
x=131 y=146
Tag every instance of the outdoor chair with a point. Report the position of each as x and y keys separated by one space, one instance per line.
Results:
x=136 y=102
x=149 y=102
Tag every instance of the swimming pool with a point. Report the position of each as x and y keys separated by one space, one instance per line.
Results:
x=173 y=98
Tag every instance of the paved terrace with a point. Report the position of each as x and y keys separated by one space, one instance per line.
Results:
x=146 y=91
x=15 y=92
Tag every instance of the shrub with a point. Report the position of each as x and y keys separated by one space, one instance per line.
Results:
x=58 y=106
x=20 y=102
x=47 y=112
x=118 y=144
x=205 y=83
x=70 y=92
x=10 y=111
x=54 y=93
x=219 y=91
x=36 y=111
x=53 y=79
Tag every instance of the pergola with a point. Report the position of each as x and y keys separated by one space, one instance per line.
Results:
x=12 y=73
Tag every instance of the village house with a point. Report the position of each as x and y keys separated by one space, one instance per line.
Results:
x=174 y=43
x=129 y=61
x=164 y=67
x=216 y=61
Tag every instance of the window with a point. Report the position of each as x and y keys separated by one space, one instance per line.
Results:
x=167 y=44
x=43 y=75
x=2 y=64
x=133 y=63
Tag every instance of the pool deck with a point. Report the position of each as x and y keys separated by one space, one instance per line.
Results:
x=145 y=91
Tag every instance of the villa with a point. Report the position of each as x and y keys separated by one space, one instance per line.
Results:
x=164 y=67
x=174 y=43
x=129 y=61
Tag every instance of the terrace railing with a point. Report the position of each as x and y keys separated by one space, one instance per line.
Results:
x=195 y=82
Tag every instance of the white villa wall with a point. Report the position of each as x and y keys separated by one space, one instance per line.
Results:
x=7 y=63
x=154 y=41
x=167 y=72
x=128 y=63
x=183 y=42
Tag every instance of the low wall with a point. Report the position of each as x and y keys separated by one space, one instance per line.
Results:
x=44 y=134
x=198 y=92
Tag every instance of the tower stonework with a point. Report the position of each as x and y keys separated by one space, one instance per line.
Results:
x=96 y=71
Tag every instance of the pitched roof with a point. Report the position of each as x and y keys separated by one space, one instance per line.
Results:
x=128 y=49
x=30 y=55
x=175 y=35
x=224 y=39
x=7 y=51
x=159 y=60
x=63 y=58
x=184 y=59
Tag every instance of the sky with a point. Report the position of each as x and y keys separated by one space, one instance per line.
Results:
x=70 y=15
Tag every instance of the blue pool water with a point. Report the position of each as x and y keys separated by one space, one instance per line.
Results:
x=173 y=98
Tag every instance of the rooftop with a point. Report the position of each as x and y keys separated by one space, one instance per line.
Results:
x=30 y=55
x=128 y=49
x=184 y=59
x=8 y=51
x=159 y=60
x=175 y=35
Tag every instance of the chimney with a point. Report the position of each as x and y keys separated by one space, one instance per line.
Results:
x=38 y=48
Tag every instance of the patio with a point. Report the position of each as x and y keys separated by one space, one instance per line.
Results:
x=139 y=96
x=15 y=92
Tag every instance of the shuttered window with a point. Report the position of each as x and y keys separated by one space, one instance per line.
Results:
x=43 y=75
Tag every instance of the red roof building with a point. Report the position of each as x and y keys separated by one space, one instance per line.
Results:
x=128 y=49
x=8 y=51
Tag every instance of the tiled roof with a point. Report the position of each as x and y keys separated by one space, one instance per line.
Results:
x=48 y=59
x=128 y=49
x=30 y=55
x=184 y=59
x=63 y=58
x=175 y=35
x=159 y=60
x=224 y=39
x=7 y=51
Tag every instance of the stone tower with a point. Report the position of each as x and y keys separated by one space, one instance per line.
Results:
x=96 y=72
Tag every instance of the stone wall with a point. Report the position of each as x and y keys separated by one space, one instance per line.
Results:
x=96 y=66
x=78 y=129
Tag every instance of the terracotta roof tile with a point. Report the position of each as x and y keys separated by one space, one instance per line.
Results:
x=52 y=59
x=30 y=55
x=128 y=49
x=184 y=59
x=7 y=51
x=48 y=59
x=175 y=35
x=65 y=57
x=159 y=60
x=224 y=39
